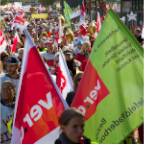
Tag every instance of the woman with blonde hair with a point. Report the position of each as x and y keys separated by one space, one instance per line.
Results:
x=84 y=52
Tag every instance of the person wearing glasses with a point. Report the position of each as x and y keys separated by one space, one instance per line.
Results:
x=70 y=95
x=8 y=96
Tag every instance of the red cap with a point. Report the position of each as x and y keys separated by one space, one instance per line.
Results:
x=8 y=46
x=50 y=42
x=64 y=37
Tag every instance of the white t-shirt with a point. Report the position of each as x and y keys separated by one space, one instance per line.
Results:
x=50 y=58
x=5 y=77
x=6 y=116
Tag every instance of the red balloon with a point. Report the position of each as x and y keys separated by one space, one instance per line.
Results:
x=82 y=30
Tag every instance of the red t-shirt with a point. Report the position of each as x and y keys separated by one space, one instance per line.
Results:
x=84 y=63
x=80 y=57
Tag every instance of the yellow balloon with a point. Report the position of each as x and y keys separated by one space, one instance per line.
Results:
x=69 y=35
x=62 y=19
x=92 y=28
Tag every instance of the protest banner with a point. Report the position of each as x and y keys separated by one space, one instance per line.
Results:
x=39 y=16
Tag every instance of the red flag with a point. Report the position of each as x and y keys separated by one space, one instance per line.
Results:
x=16 y=40
x=39 y=103
x=59 y=34
x=42 y=8
x=82 y=16
x=19 y=22
x=98 y=22
x=20 y=13
x=2 y=41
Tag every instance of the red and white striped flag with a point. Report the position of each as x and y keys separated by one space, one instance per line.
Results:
x=19 y=22
x=2 y=41
x=59 y=34
x=20 y=13
x=83 y=14
x=42 y=8
x=16 y=40
x=64 y=80
x=39 y=103
x=98 y=22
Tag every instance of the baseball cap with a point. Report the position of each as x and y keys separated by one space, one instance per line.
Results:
x=67 y=52
x=79 y=43
x=138 y=29
x=12 y=60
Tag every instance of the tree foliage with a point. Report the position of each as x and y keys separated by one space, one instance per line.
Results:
x=46 y=2
x=4 y=2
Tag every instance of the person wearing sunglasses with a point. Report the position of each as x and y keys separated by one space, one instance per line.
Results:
x=76 y=80
x=8 y=96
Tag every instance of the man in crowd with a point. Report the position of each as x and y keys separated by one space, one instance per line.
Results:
x=12 y=65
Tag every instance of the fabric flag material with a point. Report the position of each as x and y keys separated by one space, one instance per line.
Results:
x=42 y=8
x=38 y=11
x=98 y=22
x=50 y=8
x=2 y=41
x=67 y=12
x=76 y=12
x=16 y=40
x=59 y=34
x=83 y=14
x=39 y=102
x=20 y=13
x=19 y=22
x=123 y=19
x=64 y=80
x=110 y=93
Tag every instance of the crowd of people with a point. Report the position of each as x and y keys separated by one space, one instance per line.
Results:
x=76 y=53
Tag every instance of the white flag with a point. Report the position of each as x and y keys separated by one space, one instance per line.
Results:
x=64 y=80
x=59 y=34
x=2 y=41
x=83 y=14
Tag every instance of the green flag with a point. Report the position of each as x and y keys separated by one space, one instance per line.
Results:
x=110 y=93
x=67 y=12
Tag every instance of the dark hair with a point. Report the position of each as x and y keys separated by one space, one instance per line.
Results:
x=76 y=80
x=3 y=55
x=68 y=114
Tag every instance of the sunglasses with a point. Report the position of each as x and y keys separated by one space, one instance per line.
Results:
x=56 y=61
x=79 y=79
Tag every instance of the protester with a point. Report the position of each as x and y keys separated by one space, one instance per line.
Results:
x=50 y=53
x=72 y=124
x=12 y=65
x=9 y=50
x=40 y=47
x=71 y=62
x=78 y=47
x=4 y=56
x=20 y=57
x=18 y=46
x=70 y=95
x=138 y=34
x=8 y=95
x=83 y=54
